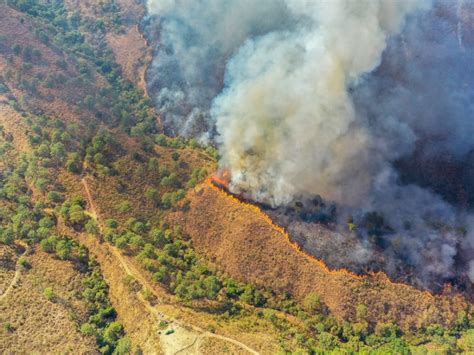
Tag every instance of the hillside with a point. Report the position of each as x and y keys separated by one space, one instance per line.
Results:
x=114 y=239
x=232 y=234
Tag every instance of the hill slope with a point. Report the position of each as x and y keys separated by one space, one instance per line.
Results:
x=88 y=174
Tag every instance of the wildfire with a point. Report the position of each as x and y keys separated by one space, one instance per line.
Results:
x=221 y=179
x=220 y=184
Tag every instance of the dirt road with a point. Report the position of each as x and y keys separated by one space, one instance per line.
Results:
x=16 y=277
x=186 y=338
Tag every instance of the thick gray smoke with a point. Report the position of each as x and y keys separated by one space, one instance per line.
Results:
x=341 y=98
x=197 y=37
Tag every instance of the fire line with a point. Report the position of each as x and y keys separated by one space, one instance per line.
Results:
x=220 y=184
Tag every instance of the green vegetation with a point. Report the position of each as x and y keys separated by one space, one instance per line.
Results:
x=49 y=294
x=35 y=223
x=73 y=212
x=102 y=317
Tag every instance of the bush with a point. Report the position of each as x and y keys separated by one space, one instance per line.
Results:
x=361 y=312
x=170 y=181
x=175 y=156
x=161 y=139
x=153 y=195
x=92 y=227
x=123 y=346
x=17 y=49
x=73 y=164
x=64 y=249
x=328 y=341
x=7 y=236
x=124 y=207
x=252 y=296
x=312 y=303
x=8 y=327
x=23 y=262
x=54 y=196
x=49 y=294
x=48 y=245
x=111 y=223
x=121 y=242
x=153 y=165
x=113 y=333
x=88 y=329
x=77 y=215
x=466 y=342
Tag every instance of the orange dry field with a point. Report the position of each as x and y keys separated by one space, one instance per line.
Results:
x=247 y=246
x=39 y=325
x=127 y=48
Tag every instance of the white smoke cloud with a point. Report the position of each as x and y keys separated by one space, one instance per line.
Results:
x=309 y=97
x=286 y=122
x=196 y=39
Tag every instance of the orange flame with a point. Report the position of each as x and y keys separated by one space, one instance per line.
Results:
x=222 y=179
x=221 y=188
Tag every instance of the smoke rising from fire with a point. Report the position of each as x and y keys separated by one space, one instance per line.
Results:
x=339 y=98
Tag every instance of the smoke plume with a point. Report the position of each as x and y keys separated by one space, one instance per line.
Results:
x=362 y=102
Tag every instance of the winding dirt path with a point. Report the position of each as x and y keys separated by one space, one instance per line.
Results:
x=16 y=277
x=131 y=270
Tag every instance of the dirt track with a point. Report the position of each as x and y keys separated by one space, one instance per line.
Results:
x=15 y=278
x=183 y=331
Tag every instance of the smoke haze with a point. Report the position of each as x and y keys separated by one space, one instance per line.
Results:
x=350 y=100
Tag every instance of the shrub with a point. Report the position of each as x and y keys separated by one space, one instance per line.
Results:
x=121 y=242
x=63 y=249
x=7 y=236
x=466 y=342
x=88 y=329
x=113 y=333
x=49 y=244
x=23 y=262
x=77 y=215
x=111 y=223
x=252 y=296
x=170 y=181
x=153 y=165
x=8 y=327
x=175 y=156
x=124 y=207
x=312 y=303
x=161 y=139
x=92 y=227
x=16 y=48
x=153 y=195
x=73 y=164
x=361 y=311
x=49 y=294
x=327 y=341
x=123 y=346
x=54 y=196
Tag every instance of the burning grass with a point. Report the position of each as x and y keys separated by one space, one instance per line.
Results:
x=221 y=183
x=245 y=242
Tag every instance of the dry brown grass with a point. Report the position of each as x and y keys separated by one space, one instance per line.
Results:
x=131 y=53
x=251 y=330
x=13 y=124
x=8 y=259
x=139 y=325
x=65 y=99
x=247 y=247
x=39 y=325
x=216 y=346
x=137 y=179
